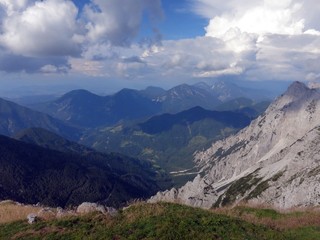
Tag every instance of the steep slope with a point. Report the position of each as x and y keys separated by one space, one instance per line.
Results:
x=86 y=109
x=275 y=160
x=169 y=139
x=14 y=118
x=116 y=161
x=46 y=139
x=32 y=174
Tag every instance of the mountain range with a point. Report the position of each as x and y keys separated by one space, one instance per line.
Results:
x=88 y=110
x=275 y=160
x=85 y=109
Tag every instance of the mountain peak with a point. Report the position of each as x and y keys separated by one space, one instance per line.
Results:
x=297 y=89
x=79 y=94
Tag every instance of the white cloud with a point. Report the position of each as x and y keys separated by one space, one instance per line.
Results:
x=200 y=57
x=57 y=28
x=52 y=69
x=88 y=67
x=11 y=6
x=259 y=17
x=265 y=19
x=44 y=28
x=281 y=37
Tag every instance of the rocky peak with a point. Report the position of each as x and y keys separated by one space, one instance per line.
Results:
x=297 y=96
x=297 y=89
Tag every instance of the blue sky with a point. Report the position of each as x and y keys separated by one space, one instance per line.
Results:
x=179 y=21
x=104 y=45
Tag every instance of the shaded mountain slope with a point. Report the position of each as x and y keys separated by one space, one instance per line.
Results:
x=46 y=139
x=244 y=105
x=165 y=122
x=32 y=174
x=14 y=118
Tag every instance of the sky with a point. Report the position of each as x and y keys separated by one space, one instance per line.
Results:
x=105 y=45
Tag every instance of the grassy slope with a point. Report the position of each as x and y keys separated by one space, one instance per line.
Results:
x=166 y=221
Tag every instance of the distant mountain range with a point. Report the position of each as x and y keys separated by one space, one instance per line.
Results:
x=184 y=97
x=72 y=175
x=85 y=109
x=226 y=91
x=169 y=140
x=14 y=118
x=274 y=161
x=243 y=105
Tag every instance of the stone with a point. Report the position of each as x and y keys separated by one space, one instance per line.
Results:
x=32 y=218
x=88 y=207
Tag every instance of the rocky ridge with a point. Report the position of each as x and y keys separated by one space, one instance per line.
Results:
x=273 y=161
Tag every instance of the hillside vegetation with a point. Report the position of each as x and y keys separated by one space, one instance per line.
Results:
x=172 y=221
x=32 y=174
x=169 y=140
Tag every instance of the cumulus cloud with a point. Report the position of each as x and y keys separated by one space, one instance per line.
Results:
x=45 y=28
x=289 y=17
x=57 y=28
x=281 y=37
x=11 y=6
x=199 y=57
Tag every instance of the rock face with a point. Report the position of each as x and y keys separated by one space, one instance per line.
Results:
x=88 y=207
x=275 y=160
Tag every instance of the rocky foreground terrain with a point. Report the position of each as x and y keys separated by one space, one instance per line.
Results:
x=156 y=221
x=275 y=160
